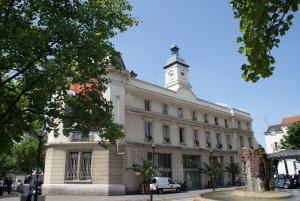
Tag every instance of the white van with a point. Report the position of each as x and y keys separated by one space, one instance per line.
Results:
x=164 y=184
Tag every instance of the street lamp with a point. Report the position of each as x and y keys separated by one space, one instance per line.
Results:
x=40 y=134
x=212 y=171
x=152 y=170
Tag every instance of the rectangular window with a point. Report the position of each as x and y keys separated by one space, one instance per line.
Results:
x=166 y=133
x=148 y=130
x=239 y=125
x=207 y=139
x=79 y=170
x=276 y=146
x=165 y=109
x=205 y=118
x=86 y=162
x=250 y=142
x=248 y=127
x=196 y=138
x=181 y=135
x=163 y=162
x=147 y=105
x=219 y=141
x=228 y=142
x=191 y=170
x=191 y=161
x=231 y=159
x=242 y=141
x=180 y=112
x=216 y=121
x=226 y=123
x=194 y=115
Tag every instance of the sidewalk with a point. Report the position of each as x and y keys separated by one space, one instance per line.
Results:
x=184 y=196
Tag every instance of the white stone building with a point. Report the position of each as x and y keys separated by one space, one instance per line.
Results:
x=184 y=128
x=273 y=136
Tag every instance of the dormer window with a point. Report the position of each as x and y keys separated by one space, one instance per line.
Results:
x=180 y=112
x=147 y=105
x=194 y=115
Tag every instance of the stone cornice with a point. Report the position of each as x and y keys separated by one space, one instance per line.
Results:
x=166 y=146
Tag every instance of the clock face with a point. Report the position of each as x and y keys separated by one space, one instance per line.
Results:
x=171 y=75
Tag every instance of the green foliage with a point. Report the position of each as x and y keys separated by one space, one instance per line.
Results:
x=292 y=139
x=25 y=154
x=262 y=24
x=145 y=170
x=213 y=169
x=7 y=161
x=46 y=46
x=233 y=169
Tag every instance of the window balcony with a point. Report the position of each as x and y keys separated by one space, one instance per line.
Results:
x=78 y=137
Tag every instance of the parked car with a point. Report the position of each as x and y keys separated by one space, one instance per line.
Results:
x=164 y=184
x=282 y=181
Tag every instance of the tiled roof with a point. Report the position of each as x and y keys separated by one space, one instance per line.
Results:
x=276 y=128
x=79 y=88
x=290 y=120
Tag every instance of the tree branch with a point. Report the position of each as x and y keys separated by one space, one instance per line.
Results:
x=18 y=98
x=26 y=67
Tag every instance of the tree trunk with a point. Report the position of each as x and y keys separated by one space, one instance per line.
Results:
x=233 y=179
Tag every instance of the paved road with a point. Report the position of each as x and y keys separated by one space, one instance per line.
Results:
x=184 y=196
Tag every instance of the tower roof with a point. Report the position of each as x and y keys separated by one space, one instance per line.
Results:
x=175 y=58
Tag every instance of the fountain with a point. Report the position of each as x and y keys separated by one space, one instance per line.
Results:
x=258 y=170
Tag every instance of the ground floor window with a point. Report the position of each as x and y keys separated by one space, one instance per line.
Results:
x=191 y=169
x=163 y=162
x=78 y=165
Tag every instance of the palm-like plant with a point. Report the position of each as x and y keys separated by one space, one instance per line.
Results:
x=144 y=170
x=212 y=169
x=233 y=169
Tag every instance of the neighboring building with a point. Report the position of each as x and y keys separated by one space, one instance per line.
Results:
x=184 y=128
x=273 y=136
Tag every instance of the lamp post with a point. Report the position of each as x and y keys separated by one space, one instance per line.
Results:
x=152 y=171
x=212 y=171
x=40 y=135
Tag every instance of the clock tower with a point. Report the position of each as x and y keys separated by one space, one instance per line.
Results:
x=176 y=71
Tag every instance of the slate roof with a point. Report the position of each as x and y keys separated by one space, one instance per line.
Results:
x=274 y=128
x=286 y=154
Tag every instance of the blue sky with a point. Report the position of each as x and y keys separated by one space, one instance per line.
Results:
x=205 y=32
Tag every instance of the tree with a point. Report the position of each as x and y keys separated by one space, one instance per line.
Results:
x=25 y=154
x=46 y=46
x=233 y=169
x=262 y=24
x=7 y=162
x=213 y=169
x=292 y=139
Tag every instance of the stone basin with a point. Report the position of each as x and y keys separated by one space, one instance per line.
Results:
x=243 y=195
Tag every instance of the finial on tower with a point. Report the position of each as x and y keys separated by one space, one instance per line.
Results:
x=175 y=50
